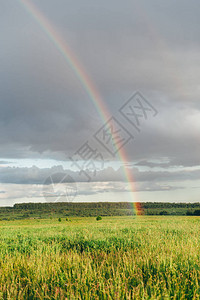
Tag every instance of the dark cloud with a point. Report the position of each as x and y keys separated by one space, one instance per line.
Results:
x=145 y=46
x=150 y=164
x=35 y=175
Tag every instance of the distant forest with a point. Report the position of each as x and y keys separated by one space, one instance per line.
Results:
x=74 y=209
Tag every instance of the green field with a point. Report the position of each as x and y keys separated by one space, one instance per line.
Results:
x=147 y=257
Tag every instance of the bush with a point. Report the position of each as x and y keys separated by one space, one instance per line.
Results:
x=197 y=212
x=59 y=219
x=163 y=213
x=189 y=213
x=98 y=218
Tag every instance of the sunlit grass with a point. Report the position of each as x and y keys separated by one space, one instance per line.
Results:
x=115 y=258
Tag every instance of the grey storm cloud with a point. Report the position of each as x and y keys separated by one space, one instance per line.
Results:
x=58 y=174
x=124 y=47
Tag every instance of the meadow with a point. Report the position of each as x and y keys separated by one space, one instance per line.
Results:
x=144 y=257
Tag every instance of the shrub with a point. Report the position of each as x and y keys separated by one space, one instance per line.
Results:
x=163 y=213
x=98 y=218
x=189 y=213
x=59 y=219
x=197 y=212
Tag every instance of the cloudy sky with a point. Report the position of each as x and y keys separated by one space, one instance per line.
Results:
x=139 y=60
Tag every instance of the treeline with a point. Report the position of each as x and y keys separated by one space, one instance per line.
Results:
x=74 y=205
x=169 y=205
x=63 y=209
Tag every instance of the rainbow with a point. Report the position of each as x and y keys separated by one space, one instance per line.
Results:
x=85 y=81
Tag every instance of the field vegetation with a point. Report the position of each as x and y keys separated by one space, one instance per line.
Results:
x=144 y=257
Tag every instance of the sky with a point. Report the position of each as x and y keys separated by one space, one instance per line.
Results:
x=99 y=101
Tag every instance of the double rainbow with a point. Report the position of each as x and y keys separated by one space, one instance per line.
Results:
x=85 y=81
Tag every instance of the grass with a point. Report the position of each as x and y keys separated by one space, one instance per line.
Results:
x=115 y=258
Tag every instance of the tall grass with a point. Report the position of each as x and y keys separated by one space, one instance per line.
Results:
x=115 y=258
